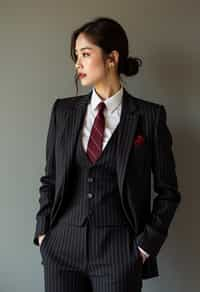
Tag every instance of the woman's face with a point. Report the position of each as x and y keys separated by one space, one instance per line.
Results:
x=90 y=62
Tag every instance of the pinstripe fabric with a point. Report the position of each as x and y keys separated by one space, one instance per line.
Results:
x=94 y=189
x=104 y=249
x=134 y=165
x=91 y=259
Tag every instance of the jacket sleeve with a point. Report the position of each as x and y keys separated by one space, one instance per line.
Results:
x=47 y=186
x=165 y=185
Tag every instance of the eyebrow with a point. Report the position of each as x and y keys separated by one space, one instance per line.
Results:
x=84 y=49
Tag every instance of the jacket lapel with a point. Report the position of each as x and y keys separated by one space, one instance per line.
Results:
x=127 y=128
x=73 y=122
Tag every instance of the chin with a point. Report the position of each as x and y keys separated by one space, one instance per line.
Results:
x=86 y=83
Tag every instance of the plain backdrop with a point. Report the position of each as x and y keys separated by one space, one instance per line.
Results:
x=35 y=68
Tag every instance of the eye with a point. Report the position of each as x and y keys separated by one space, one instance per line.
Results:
x=86 y=54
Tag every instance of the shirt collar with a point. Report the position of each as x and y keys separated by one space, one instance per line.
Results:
x=111 y=103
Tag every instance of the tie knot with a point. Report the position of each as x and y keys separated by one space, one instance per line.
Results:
x=101 y=106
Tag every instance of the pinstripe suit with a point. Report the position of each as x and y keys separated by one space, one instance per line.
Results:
x=133 y=168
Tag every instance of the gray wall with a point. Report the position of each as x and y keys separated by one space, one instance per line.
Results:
x=35 y=67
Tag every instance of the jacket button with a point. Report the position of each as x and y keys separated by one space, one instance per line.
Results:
x=90 y=195
x=90 y=179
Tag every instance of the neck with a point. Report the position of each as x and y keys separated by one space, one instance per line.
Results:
x=105 y=92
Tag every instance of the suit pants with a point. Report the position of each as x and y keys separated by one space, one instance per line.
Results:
x=91 y=258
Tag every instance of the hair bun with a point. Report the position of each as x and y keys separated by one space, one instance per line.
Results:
x=131 y=66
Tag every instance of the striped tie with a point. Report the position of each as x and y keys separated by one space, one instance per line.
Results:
x=94 y=148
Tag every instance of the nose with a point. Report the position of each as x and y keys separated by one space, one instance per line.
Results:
x=77 y=64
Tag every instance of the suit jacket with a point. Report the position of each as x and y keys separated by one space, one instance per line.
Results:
x=136 y=161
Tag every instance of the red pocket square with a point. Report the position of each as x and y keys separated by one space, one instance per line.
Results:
x=139 y=139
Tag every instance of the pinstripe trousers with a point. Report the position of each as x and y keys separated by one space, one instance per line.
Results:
x=91 y=258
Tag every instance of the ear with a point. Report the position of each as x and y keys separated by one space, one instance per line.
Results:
x=113 y=58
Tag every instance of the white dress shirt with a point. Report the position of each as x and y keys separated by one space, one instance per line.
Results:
x=112 y=115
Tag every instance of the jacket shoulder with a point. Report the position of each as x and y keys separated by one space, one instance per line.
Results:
x=64 y=103
x=149 y=112
x=146 y=104
x=71 y=100
x=149 y=109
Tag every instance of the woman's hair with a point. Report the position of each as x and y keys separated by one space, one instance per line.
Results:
x=109 y=35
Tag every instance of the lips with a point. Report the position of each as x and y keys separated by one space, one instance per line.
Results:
x=81 y=75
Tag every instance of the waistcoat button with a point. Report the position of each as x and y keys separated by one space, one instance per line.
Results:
x=90 y=196
x=90 y=179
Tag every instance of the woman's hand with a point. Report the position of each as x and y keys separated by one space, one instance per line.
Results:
x=40 y=238
x=143 y=256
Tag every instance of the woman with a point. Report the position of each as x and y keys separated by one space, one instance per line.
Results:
x=95 y=227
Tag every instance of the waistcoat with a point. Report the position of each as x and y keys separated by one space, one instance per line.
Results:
x=93 y=187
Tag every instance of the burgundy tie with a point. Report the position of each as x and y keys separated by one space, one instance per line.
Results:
x=94 y=148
